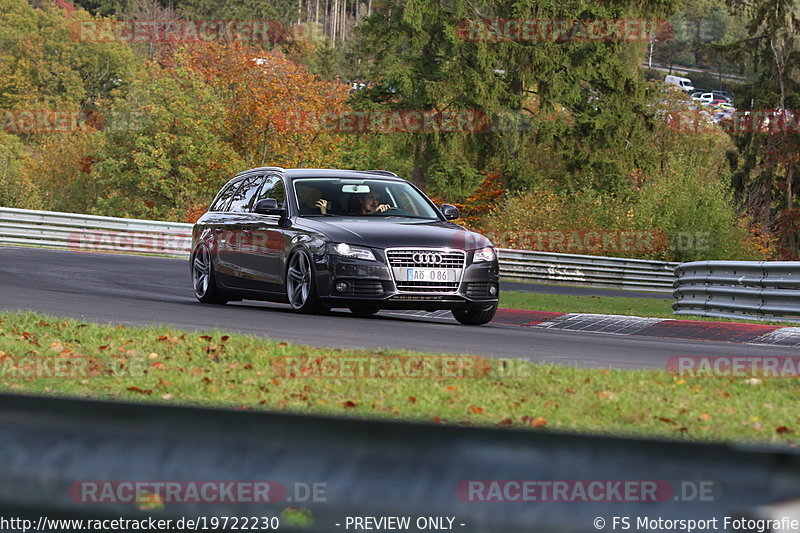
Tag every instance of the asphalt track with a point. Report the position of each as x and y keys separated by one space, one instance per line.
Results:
x=136 y=290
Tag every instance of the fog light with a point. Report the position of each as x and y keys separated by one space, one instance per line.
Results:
x=342 y=286
x=492 y=290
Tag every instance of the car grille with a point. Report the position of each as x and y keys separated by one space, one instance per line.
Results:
x=405 y=258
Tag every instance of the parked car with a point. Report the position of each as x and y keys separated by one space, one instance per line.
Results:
x=682 y=83
x=321 y=238
x=705 y=98
x=724 y=95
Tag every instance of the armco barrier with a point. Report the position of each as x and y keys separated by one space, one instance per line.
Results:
x=763 y=290
x=95 y=233
x=573 y=269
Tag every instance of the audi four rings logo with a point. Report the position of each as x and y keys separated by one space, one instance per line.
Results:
x=433 y=258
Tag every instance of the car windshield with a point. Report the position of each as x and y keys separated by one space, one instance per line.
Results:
x=359 y=197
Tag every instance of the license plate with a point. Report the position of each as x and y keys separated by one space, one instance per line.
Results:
x=430 y=274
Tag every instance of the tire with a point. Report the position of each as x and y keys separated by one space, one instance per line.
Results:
x=204 y=281
x=475 y=317
x=301 y=288
x=364 y=311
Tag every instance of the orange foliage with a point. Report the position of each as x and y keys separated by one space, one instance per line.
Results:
x=264 y=93
x=480 y=203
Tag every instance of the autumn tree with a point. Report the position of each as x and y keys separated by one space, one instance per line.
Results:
x=273 y=105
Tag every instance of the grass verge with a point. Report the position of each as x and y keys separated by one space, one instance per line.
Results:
x=56 y=356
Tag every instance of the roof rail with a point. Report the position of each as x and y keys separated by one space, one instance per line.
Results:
x=384 y=172
x=276 y=169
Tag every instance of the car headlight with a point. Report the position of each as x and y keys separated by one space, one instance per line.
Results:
x=346 y=250
x=484 y=254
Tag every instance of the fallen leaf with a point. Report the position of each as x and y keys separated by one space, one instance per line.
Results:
x=539 y=422
x=57 y=347
x=605 y=395
x=569 y=390
x=167 y=396
x=159 y=365
x=224 y=338
x=412 y=399
x=205 y=338
x=666 y=420
x=475 y=410
x=153 y=355
x=505 y=422
x=705 y=417
x=348 y=404
x=437 y=419
x=783 y=429
x=134 y=388
x=451 y=388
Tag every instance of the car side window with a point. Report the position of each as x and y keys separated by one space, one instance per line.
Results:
x=244 y=195
x=273 y=188
x=225 y=196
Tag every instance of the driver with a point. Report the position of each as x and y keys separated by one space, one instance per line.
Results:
x=370 y=204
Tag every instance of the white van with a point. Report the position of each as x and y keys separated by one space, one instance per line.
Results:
x=683 y=83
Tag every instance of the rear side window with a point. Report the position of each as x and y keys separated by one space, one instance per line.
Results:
x=273 y=188
x=224 y=197
x=244 y=194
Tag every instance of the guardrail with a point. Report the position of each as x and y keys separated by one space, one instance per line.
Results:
x=109 y=234
x=761 y=290
x=89 y=233
x=71 y=458
x=573 y=269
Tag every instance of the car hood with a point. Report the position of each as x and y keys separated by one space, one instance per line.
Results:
x=401 y=232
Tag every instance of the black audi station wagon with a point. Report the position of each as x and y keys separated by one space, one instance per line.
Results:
x=319 y=239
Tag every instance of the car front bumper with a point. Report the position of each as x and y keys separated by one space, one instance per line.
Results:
x=372 y=283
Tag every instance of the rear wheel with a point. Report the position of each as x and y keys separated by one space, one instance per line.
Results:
x=475 y=317
x=203 y=278
x=300 y=287
x=363 y=311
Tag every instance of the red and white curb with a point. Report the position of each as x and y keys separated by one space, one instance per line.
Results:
x=735 y=332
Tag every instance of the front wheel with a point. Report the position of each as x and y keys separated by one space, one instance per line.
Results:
x=475 y=317
x=203 y=278
x=300 y=287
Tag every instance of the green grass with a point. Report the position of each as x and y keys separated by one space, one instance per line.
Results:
x=609 y=305
x=164 y=365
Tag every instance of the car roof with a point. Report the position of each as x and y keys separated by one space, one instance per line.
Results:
x=293 y=173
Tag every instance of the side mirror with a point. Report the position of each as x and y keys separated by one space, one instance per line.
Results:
x=450 y=212
x=269 y=207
